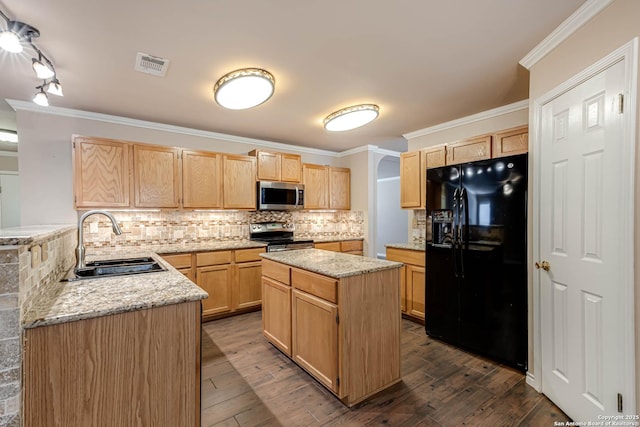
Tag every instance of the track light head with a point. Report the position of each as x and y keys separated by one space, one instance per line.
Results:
x=42 y=69
x=54 y=87
x=41 y=98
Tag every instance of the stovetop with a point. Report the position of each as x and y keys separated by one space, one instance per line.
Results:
x=274 y=233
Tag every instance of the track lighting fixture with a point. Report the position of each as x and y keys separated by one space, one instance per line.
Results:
x=14 y=39
x=41 y=98
x=54 y=87
x=43 y=71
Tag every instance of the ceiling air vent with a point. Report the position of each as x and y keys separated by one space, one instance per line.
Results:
x=150 y=64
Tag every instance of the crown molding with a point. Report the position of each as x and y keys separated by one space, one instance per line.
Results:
x=119 y=120
x=505 y=109
x=369 y=147
x=581 y=16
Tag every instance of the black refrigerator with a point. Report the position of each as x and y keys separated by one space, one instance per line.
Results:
x=476 y=259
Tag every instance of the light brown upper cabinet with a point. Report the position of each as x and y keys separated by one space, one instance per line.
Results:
x=201 y=180
x=239 y=181
x=277 y=166
x=316 y=186
x=411 y=186
x=101 y=173
x=413 y=178
x=470 y=150
x=434 y=157
x=339 y=188
x=326 y=187
x=156 y=182
x=511 y=142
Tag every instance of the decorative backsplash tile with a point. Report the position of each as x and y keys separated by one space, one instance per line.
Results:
x=421 y=226
x=157 y=228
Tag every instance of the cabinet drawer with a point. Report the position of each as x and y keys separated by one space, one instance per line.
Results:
x=315 y=284
x=246 y=255
x=213 y=258
x=406 y=256
x=328 y=246
x=178 y=261
x=276 y=271
x=351 y=245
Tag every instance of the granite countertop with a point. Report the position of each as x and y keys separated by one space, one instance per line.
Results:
x=63 y=302
x=28 y=234
x=328 y=263
x=409 y=246
x=333 y=239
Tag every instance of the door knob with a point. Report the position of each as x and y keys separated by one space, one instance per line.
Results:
x=543 y=265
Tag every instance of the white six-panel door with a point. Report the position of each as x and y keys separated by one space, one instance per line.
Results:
x=583 y=195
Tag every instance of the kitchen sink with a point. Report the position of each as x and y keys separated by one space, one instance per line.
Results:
x=115 y=267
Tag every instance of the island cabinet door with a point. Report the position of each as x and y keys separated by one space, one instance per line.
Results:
x=315 y=338
x=276 y=314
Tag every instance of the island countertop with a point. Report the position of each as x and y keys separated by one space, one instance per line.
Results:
x=63 y=302
x=329 y=263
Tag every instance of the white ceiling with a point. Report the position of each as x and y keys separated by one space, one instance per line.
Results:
x=423 y=62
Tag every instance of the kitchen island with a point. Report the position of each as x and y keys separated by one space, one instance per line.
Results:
x=337 y=316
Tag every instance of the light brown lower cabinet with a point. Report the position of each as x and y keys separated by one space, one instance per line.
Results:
x=135 y=368
x=230 y=277
x=412 y=285
x=315 y=338
x=276 y=313
x=216 y=280
x=344 y=332
x=354 y=247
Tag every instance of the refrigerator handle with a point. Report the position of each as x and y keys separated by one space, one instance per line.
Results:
x=464 y=228
x=456 y=218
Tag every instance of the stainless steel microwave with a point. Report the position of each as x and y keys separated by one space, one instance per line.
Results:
x=280 y=196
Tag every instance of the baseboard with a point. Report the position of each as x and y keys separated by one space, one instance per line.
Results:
x=533 y=382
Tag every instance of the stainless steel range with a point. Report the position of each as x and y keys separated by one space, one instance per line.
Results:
x=278 y=236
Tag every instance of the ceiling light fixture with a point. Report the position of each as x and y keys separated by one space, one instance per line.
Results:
x=351 y=117
x=244 y=88
x=54 y=87
x=16 y=33
x=13 y=40
x=41 y=98
x=43 y=71
x=8 y=136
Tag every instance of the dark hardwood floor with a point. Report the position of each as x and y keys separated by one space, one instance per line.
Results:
x=247 y=382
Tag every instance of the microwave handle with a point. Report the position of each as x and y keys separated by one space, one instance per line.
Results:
x=297 y=196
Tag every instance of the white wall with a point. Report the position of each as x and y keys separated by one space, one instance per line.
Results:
x=45 y=158
x=392 y=222
x=9 y=200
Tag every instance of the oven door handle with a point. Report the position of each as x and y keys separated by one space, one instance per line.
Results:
x=297 y=196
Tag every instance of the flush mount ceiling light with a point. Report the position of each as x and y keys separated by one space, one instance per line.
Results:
x=17 y=32
x=351 y=117
x=244 y=88
x=13 y=40
x=8 y=136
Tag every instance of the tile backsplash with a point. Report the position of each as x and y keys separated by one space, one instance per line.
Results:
x=420 y=226
x=152 y=228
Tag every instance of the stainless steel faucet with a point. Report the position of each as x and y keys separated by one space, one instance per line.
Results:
x=80 y=249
